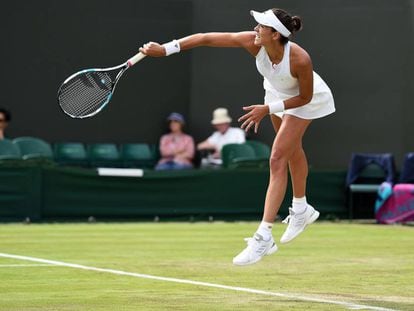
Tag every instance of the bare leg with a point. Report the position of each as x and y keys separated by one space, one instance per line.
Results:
x=298 y=165
x=286 y=150
x=287 y=147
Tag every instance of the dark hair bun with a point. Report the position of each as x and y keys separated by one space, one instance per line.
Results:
x=296 y=24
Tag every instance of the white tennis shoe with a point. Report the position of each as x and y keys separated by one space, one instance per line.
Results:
x=256 y=248
x=298 y=222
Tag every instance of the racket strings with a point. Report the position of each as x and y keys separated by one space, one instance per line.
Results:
x=86 y=93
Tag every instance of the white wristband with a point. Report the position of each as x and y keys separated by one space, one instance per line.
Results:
x=277 y=106
x=171 y=47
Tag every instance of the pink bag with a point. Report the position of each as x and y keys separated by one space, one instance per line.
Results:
x=399 y=207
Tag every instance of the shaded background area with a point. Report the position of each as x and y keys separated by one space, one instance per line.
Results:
x=363 y=50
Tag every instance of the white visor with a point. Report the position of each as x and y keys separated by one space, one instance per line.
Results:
x=268 y=18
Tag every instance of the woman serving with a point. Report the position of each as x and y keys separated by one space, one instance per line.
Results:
x=294 y=96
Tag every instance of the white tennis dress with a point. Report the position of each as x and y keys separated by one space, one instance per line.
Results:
x=280 y=85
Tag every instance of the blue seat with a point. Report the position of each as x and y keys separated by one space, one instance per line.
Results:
x=407 y=171
x=104 y=155
x=73 y=154
x=366 y=172
x=239 y=156
x=260 y=149
x=33 y=148
x=137 y=155
x=359 y=162
x=9 y=151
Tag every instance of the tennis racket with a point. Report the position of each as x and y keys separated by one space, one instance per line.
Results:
x=87 y=92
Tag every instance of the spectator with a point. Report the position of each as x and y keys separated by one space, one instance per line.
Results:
x=176 y=147
x=223 y=135
x=5 y=118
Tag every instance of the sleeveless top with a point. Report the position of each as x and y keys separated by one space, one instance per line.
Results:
x=279 y=84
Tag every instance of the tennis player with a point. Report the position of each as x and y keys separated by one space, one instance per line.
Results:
x=294 y=96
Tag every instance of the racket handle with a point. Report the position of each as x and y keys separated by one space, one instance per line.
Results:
x=135 y=59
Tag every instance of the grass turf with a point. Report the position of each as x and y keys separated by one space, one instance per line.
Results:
x=360 y=263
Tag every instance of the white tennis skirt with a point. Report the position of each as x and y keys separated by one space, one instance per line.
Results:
x=321 y=105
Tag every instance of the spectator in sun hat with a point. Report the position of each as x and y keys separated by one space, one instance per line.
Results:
x=224 y=134
x=176 y=147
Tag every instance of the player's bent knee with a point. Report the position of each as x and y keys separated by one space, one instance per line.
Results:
x=278 y=161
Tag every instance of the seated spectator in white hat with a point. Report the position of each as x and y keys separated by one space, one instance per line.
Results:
x=5 y=118
x=176 y=147
x=223 y=135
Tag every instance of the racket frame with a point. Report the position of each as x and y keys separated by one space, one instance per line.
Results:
x=124 y=67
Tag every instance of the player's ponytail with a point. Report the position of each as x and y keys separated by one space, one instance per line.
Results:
x=296 y=24
x=292 y=23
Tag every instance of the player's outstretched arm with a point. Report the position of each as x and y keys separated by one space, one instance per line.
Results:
x=243 y=39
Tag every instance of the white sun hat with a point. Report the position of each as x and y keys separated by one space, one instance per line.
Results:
x=268 y=18
x=220 y=116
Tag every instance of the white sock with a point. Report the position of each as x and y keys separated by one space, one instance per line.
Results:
x=299 y=205
x=265 y=230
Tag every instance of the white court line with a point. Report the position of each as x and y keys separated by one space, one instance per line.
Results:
x=349 y=305
x=23 y=265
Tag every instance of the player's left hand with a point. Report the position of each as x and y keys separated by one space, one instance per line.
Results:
x=254 y=116
x=153 y=49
